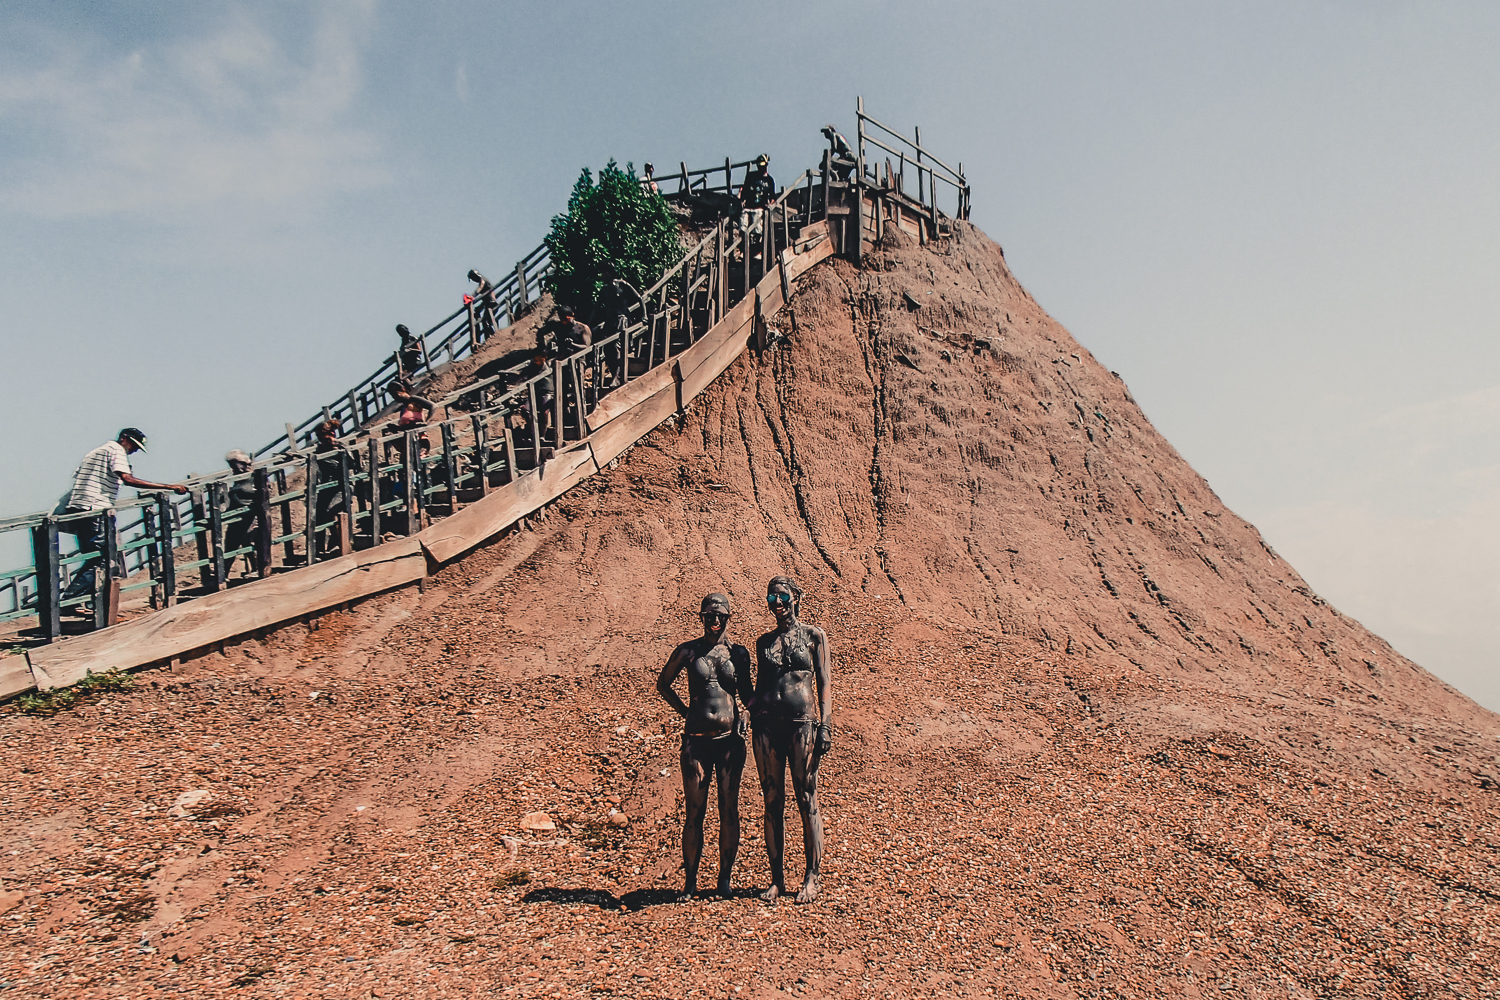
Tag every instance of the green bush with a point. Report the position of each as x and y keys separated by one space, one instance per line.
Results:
x=613 y=229
x=91 y=688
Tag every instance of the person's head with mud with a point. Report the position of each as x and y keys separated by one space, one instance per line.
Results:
x=793 y=713
x=713 y=738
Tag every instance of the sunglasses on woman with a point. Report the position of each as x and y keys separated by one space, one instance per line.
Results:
x=775 y=599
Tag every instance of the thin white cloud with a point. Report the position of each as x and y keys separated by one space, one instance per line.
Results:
x=229 y=117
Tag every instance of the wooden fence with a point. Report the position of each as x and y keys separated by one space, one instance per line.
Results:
x=387 y=505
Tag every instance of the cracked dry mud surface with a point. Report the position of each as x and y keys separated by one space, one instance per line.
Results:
x=1093 y=737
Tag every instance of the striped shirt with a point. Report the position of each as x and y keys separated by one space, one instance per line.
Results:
x=96 y=484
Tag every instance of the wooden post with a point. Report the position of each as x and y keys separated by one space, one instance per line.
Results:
x=288 y=547
x=346 y=493
x=374 y=484
x=106 y=586
x=48 y=566
x=721 y=269
x=310 y=509
x=165 y=511
x=728 y=177
x=291 y=438
x=409 y=476
x=153 y=564
x=481 y=453
x=450 y=466
x=557 y=403
x=536 y=427
x=510 y=450
x=858 y=239
x=355 y=419
x=578 y=401
x=473 y=329
x=759 y=324
x=204 y=539
x=521 y=282
x=826 y=178
x=683 y=184
x=214 y=497
x=262 y=481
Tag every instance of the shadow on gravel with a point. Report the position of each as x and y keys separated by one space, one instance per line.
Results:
x=637 y=899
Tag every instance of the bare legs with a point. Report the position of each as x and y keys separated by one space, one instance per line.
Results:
x=772 y=755
x=701 y=761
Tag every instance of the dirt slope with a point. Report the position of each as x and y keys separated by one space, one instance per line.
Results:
x=1094 y=738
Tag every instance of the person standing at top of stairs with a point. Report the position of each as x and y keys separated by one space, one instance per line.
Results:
x=758 y=191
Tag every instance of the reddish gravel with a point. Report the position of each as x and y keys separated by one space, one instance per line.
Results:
x=1093 y=737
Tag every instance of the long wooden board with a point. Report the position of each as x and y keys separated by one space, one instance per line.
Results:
x=621 y=419
x=216 y=617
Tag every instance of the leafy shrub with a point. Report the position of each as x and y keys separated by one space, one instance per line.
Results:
x=612 y=229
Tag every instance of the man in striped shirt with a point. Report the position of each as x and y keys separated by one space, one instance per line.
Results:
x=96 y=486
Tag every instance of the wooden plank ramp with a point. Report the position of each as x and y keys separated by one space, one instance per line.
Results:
x=621 y=419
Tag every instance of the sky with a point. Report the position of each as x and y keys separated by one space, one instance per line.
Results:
x=1280 y=222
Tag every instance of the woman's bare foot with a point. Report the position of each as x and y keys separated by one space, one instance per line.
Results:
x=724 y=890
x=809 y=891
x=773 y=893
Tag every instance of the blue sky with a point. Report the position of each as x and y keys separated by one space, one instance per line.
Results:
x=1280 y=222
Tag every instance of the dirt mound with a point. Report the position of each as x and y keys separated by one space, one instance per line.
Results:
x=1094 y=737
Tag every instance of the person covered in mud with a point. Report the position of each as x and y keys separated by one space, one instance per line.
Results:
x=792 y=714
x=713 y=737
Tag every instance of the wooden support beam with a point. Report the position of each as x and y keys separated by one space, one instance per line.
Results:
x=166 y=515
x=262 y=480
x=346 y=495
x=481 y=453
x=214 y=499
x=47 y=563
x=288 y=547
x=310 y=507
x=450 y=467
x=106 y=584
x=374 y=490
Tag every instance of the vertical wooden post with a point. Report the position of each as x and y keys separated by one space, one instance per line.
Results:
x=106 y=584
x=354 y=415
x=510 y=450
x=827 y=174
x=450 y=466
x=728 y=178
x=204 y=539
x=346 y=533
x=858 y=238
x=578 y=401
x=374 y=484
x=165 y=511
x=288 y=547
x=310 y=509
x=482 y=453
x=346 y=493
x=214 y=498
x=473 y=329
x=759 y=323
x=262 y=481
x=291 y=438
x=409 y=479
x=558 y=387
x=683 y=184
x=153 y=557
x=720 y=271
x=536 y=427
x=48 y=566
x=521 y=282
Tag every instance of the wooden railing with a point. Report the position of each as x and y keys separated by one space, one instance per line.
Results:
x=299 y=507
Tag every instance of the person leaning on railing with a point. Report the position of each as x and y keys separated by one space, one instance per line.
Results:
x=96 y=486
x=413 y=412
x=844 y=160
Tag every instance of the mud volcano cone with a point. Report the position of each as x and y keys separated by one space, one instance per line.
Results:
x=1093 y=737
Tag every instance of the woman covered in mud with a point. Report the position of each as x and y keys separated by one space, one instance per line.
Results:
x=792 y=715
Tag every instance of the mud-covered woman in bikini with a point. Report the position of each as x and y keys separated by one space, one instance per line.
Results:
x=792 y=713
x=713 y=738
